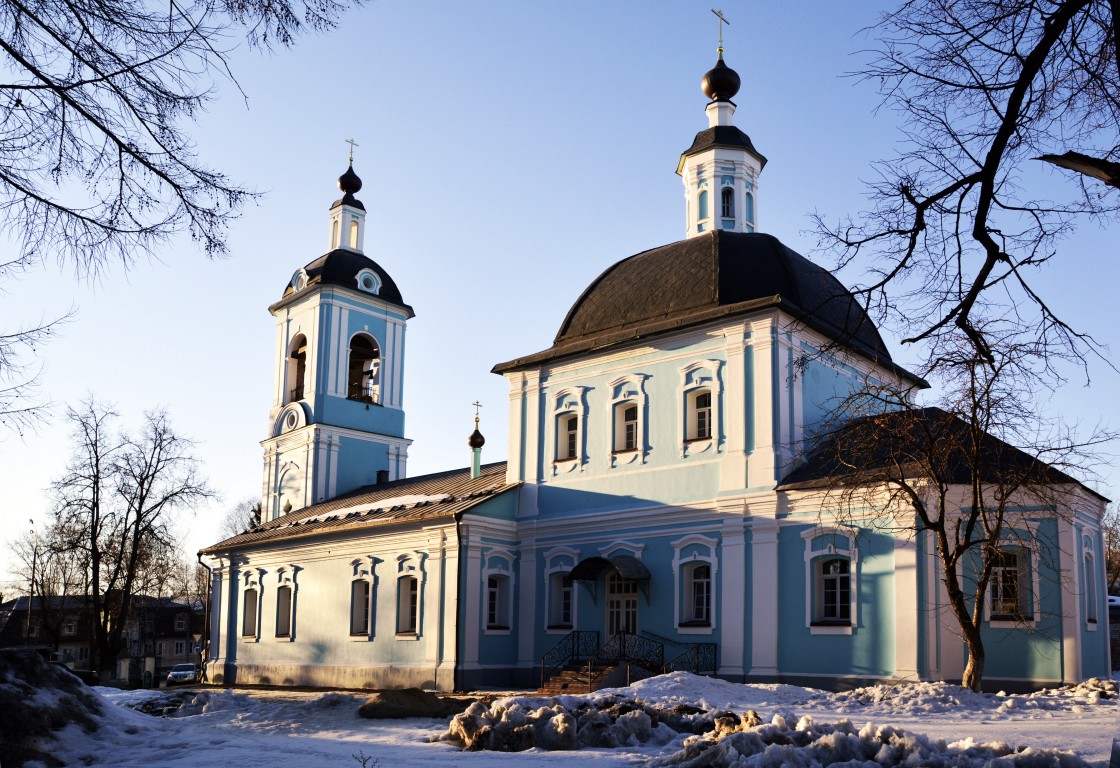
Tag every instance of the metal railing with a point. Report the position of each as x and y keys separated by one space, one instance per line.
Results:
x=576 y=646
x=625 y=647
x=697 y=658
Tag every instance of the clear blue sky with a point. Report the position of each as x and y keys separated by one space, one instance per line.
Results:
x=510 y=152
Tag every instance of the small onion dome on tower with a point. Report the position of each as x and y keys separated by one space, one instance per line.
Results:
x=721 y=82
x=476 y=440
x=350 y=184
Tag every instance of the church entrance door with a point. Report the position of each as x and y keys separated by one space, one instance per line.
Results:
x=622 y=605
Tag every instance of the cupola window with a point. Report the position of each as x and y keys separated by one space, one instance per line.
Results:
x=702 y=205
x=353 y=234
x=727 y=203
x=368 y=281
x=364 y=382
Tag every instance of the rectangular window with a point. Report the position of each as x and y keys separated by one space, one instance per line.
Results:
x=180 y=647
x=567 y=437
x=698 y=595
x=161 y=649
x=70 y=627
x=625 y=427
x=834 y=591
x=1006 y=585
x=560 y=595
x=703 y=415
x=284 y=612
x=180 y=622
x=407 y=599
x=497 y=602
x=83 y=653
x=359 y=607
x=249 y=622
x=1090 y=590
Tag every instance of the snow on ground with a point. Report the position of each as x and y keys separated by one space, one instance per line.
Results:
x=215 y=728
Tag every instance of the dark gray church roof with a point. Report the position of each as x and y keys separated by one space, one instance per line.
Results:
x=705 y=278
x=341 y=267
x=439 y=496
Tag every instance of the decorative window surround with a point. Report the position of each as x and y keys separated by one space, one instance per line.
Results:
x=697 y=378
x=813 y=558
x=368 y=281
x=363 y=601
x=690 y=553
x=569 y=403
x=497 y=592
x=251 y=602
x=410 y=595
x=286 y=580
x=559 y=562
x=1091 y=610
x=628 y=392
x=363 y=379
x=1025 y=544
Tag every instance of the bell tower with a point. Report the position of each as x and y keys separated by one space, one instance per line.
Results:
x=720 y=170
x=337 y=421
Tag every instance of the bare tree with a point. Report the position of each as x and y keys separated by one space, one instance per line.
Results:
x=955 y=234
x=114 y=507
x=952 y=473
x=244 y=516
x=96 y=160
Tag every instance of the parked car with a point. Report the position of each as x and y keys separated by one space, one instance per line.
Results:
x=181 y=673
x=87 y=676
x=1113 y=601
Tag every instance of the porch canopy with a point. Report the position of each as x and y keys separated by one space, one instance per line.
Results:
x=587 y=572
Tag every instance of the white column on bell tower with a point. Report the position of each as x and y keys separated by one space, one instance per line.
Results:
x=720 y=170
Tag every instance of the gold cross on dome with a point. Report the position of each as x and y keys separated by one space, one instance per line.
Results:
x=476 y=405
x=353 y=144
x=722 y=20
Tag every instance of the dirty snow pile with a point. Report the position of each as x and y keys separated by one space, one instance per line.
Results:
x=721 y=738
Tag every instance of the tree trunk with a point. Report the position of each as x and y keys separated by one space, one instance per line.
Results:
x=974 y=669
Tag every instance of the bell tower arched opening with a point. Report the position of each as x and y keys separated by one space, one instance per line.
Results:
x=297 y=369
x=364 y=379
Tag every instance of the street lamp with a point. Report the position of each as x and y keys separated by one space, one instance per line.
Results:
x=34 y=557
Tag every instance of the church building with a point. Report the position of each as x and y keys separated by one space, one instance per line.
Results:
x=650 y=511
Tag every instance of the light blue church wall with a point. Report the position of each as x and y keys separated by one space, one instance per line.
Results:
x=498 y=646
x=1093 y=623
x=869 y=649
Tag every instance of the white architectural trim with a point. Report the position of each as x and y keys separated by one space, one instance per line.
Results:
x=700 y=375
x=626 y=390
x=810 y=555
x=710 y=544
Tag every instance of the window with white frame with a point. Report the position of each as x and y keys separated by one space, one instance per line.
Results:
x=408 y=599
x=833 y=590
x=700 y=389
x=249 y=617
x=1008 y=588
x=180 y=622
x=497 y=602
x=161 y=648
x=697 y=595
x=625 y=427
x=567 y=437
x=830 y=579
x=180 y=647
x=359 y=607
x=560 y=601
x=70 y=627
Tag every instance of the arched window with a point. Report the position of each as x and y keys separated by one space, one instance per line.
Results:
x=727 y=203
x=364 y=382
x=335 y=225
x=702 y=205
x=748 y=210
x=699 y=415
x=353 y=234
x=1090 y=589
x=297 y=368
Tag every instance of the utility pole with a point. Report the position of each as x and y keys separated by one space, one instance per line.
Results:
x=34 y=558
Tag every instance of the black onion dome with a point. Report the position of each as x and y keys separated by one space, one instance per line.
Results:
x=350 y=184
x=476 y=440
x=707 y=278
x=721 y=82
x=341 y=267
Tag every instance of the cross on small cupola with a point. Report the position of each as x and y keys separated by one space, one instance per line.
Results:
x=347 y=213
x=476 y=441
